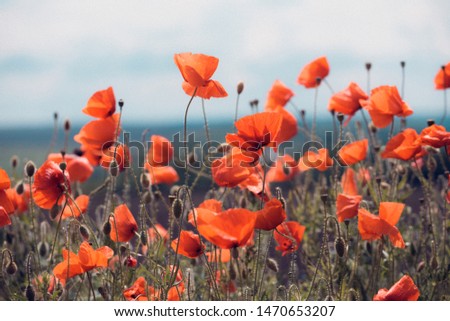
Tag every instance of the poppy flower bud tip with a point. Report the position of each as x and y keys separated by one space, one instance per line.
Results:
x=67 y=125
x=240 y=87
x=340 y=117
x=430 y=122
x=339 y=245
x=11 y=268
x=30 y=168
x=368 y=65
x=30 y=293
x=121 y=103
x=402 y=64
x=14 y=161
x=63 y=166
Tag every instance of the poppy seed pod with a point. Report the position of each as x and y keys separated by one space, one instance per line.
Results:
x=272 y=265
x=30 y=293
x=177 y=208
x=434 y=262
x=30 y=168
x=55 y=115
x=339 y=245
x=430 y=122
x=402 y=64
x=20 y=188
x=43 y=248
x=240 y=87
x=340 y=117
x=106 y=228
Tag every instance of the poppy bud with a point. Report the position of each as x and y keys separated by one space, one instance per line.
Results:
x=339 y=245
x=272 y=265
x=420 y=266
x=103 y=292
x=30 y=293
x=235 y=253
x=147 y=197
x=106 y=227
x=114 y=168
x=67 y=125
x=281 y=293
x=430 y=122
x=242 y=202
x=352 y=295
x=174 y=189
x=84 y=233
x=340 y=117
x=43 y=248
x=324 y=197
x=20 y=188
x=434 y=262
x=30 y=168
x=402 y=64
x=63 y=153
x=123 y=250
x=130 y=261
x=63 y=166
x=177 y=208
x=232 y=272
x=145 y=182
x=302 y=113
x=54 y=211
x=11 y=268
x=144 y=239
x=14 y=161
x=256 y=102
x=120 y=103
x=373 y=128
x=240 y=87
x=368 y=66
x=55 y=115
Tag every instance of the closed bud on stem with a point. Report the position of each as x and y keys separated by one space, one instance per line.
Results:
x=145 y=182
x=324 y=198
x=402 y=64
x=368 y=66
x=63 y=166
x=240 y=87
x=144 y=238
x=11 y=268
x=177 y=208
x=30 y=168
x=106 y=227
x=30 y=293
x=103 y=292
x=121 y=103
x=84 y=233
x=272 y=264
x=340 y=117
x=55 y=115
x=20 y=188
x=67 y=125
x=420 y=266
x=14 y=161
x=43 y=249
x=147 y=197
x=339 y=245
x=235 y=253
x=430 y=122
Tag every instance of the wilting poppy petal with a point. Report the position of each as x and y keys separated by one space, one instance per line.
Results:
x=90 y=258
x=188 y=244
x=5 y=182
x=102 y=104
x=436 y=136
x=49 y=185
x=4 y=217
x=288 y=235
x=270 y=216
x=347 y=206
x=354 y=152
x=442 y=78
x=160 y=152
x=403 y=290
x=404 y=145
x=123 y=225
x=347 y=100
x=316 y=69
x=68 y=268
x=391 y=212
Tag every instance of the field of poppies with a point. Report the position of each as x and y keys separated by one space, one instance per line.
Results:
x=360 y=215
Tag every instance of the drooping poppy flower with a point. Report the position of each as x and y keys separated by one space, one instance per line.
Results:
x=270 y=216
x=231 y=169
x=255 y=132
x=404 y=146
x=5 y=184
x=403 y=290
x=160 y=152
x=347 y=101
x=372 y=227
x=442 y=78
x=78 y=167
x=71 y=210
x=353 y=153
x=197 y=70
x=219 y=255
x=319 y=160
x=284 y=170
x=383 y=104
x=122 y=157
x=347 y=206
x=102 y=104
x=228 y=229
x=189 y=244
x=50 y=184
x=123 y=225
x=86 y=260
x=278 y=95
x=4 y=217
x=162 y=175
x=316 y=69
x=435 y=135
x=288 y=236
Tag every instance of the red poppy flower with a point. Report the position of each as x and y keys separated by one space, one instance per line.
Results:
x=347 y=101
x=404 y=146
x=122 y=157
x=4 y=217
x=138 y=291
x=403 y=290
x=78 y=167
x=219 y=255
x=123 y=226
x=284 y=170
x=385 y=103
x=86 y=260
x=160 y=152
x=353 y=153
x=188 y=244
x=442 y=79
x=153 y=235
x=206 y=210
x=319 y=160
x=436 y=136
x=348 y=182
x=19 y=202
x=317 y=68
x=372 y=227
x=228 y=229
x=288 y=235
x=162 y=175
x=102 y=104
x=279 y=95
x=50 y=184
x=270 y=216
x=71 y=210
x=288 y=128
x=197 y=69
x=254 y=183
x=347 y=206
x=255 y=132
x=231 y=169
x=5 y=184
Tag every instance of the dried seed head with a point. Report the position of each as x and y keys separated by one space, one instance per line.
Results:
x=54 y=211
x=67 y=125
x=11 y=268
x=177 y=208
x=368 y=66
x=340 y=117
x=121 y=103
x=20 y=188
x=14 y=161
x=145 y=182
x=63 y=166
x=84 y=233
x=339 y=245
x=30 y=293
x=272 y=264
x=235 y=253
x=232 y=272
x=114 y=168
x=30 y=168
x=144 y=238
x=240 y=87
x=106 y=227
x=430 y=122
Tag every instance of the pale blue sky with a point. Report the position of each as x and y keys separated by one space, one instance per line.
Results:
x=55 y=54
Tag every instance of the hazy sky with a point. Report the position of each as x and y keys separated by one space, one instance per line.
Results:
x=55 y=54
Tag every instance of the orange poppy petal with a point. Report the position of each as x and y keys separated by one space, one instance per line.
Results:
x=347 y=206
x=353 y=153
x=317 y=68
x=5 y=202
x=123 y=225
x=4 y=217
x=188 y=244
x=5 y=182
x=403 y=290
x=391 y=212
x=102 y=104
x=270 y=216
